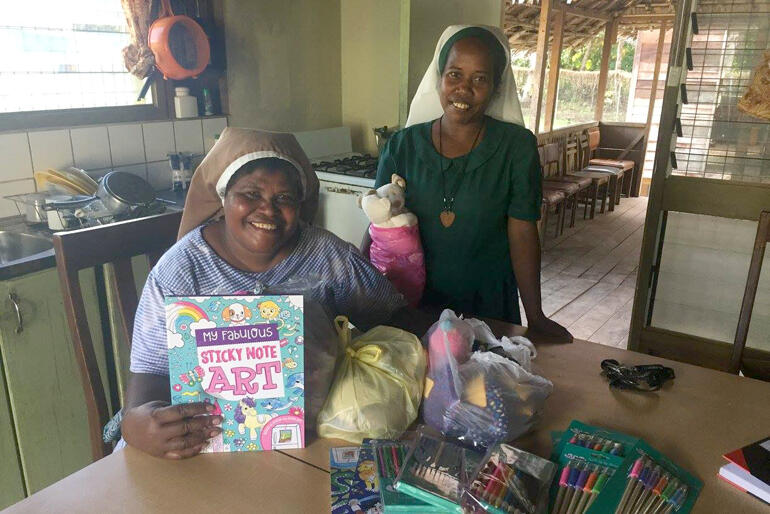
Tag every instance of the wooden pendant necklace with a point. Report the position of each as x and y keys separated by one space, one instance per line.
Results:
x=447 y=215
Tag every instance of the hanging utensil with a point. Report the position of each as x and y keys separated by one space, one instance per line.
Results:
x=179 y=44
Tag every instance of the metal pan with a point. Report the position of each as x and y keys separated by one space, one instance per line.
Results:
x=119 y=191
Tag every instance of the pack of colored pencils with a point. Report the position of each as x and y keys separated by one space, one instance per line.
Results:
x=389 y=456
x=603 y=471
x=436 y=471
x=510 y=481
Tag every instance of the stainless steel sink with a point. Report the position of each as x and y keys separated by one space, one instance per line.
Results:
x=16 y=246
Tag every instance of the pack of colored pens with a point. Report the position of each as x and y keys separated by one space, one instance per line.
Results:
x=389 y=457
x=435 y=472
x=596 y=438
x=581 y=479
x=587 y=457
x=510 y=481
x=648 y=482
x=603 y=471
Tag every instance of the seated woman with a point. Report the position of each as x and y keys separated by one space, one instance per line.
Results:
x=244 y=229
x=474 y=181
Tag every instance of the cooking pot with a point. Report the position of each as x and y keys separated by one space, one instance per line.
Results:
x=180 y=45
x=119 y=191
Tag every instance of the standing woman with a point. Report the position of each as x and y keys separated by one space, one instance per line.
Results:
x=473 y=179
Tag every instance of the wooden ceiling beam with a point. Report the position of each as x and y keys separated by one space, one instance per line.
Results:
x=585 y=13
x=585 y=19
x=511 y=27
x=645 y=18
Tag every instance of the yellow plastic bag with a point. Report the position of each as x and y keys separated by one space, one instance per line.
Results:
x=378 y=385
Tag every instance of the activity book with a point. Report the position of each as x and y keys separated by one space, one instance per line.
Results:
x=354 y=483
x=244 y=355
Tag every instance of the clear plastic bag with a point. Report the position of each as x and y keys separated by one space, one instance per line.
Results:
x=480 y=398
x=378 y=385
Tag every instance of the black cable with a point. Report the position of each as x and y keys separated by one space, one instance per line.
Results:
x=645 y=377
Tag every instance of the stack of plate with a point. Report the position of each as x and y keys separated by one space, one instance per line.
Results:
x=71 y=180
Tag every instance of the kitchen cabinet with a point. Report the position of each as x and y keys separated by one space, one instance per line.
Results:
x=339 y=213
x=42 y=380
x=11 y=481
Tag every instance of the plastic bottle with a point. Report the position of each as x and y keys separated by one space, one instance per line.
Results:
x=208 y=103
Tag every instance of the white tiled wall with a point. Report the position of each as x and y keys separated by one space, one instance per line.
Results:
x=138 y=148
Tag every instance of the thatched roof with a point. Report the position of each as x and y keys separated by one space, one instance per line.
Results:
x=584 y=19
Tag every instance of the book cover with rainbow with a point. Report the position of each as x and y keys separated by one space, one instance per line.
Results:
x=244 y=355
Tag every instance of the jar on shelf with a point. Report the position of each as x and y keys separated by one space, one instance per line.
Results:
x=185 y=105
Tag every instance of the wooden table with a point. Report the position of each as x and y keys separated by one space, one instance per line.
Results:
x=693 y=420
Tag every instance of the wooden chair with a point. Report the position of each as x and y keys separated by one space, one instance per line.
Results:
x=754 y=368
x=593 y=140
x=577 y=145
x=552 y=183
x=616 y=175
x=81 y=249
x=553 y=159
x=600 y=182
x=551 y=198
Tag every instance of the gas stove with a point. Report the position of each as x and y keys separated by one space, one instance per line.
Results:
x=354 y=165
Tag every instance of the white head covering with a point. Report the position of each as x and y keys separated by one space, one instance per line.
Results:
x=504 y=105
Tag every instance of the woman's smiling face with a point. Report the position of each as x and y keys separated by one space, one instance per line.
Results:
x=467 y=82
x=261 y=207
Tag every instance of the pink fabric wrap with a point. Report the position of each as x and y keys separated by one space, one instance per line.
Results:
x=397 y=253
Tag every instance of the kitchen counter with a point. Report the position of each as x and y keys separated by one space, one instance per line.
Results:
x=177 y=197
x=46 y=259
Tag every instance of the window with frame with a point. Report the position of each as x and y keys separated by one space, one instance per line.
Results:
x=65 y=57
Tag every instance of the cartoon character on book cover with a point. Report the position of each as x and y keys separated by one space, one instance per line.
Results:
x=240 y=354
x=354 y=487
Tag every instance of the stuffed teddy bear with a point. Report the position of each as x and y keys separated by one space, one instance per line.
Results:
x=386 y=206
x=396 y=249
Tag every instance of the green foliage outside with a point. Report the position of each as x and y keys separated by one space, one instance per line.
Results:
x=587 y=57
x=578 y=82
x=573 y=58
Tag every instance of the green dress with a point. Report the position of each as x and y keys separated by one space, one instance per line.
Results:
x=468 y=264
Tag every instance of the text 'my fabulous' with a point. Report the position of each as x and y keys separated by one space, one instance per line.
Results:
x=244 y=355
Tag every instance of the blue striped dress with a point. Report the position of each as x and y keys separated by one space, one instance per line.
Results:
x=345 y=283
